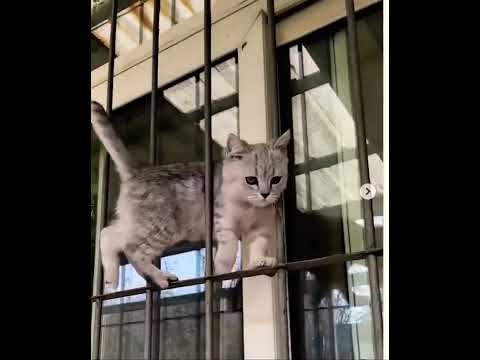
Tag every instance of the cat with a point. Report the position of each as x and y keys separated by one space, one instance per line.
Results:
x=159 y=206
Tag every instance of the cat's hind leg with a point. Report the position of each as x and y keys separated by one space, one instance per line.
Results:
x=110 y=249
x=227 y=247
x=141 y=258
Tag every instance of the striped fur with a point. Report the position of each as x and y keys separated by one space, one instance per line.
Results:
x=160 y=206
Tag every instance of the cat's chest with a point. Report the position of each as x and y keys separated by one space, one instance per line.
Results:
x=247 y=221
x=244 y=221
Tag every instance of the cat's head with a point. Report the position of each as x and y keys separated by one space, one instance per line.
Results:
x=256 y=174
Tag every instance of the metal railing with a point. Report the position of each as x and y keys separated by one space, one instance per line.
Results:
x=370 y=253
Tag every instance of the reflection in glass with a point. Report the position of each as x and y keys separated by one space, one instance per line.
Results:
x=182 y=325
x=333 y=318
x=122 y=332
x=380 y=278
x=225 y=123
x=188 y=95
x=183 y=95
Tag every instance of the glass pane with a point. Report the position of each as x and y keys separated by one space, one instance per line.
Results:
x=175 y=264
x=182 y=324
x=224 y=123
x=331 y=317
x=370 y=37
x=326 y=168
x=188 y=95
x=184 y=95
x=122 y=333
x=98 y=53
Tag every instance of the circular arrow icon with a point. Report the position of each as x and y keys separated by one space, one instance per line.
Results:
x=368 y=191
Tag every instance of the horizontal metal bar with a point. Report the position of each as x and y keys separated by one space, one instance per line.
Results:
x=292 y=266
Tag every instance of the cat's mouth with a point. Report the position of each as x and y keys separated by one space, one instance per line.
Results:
x=261 y=202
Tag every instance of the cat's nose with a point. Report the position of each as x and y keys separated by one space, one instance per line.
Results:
x=265 y=195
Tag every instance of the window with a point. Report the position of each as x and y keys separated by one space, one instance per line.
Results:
x=330 y=309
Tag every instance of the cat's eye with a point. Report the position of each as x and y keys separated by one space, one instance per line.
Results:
x=251 y=180
x=275 y=180
x=236 y=157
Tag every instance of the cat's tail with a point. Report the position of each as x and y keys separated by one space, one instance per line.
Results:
x=109 y=138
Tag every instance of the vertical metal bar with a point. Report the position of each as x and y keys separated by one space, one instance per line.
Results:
x=97 y=275
x=111 y=56
x=359 y=116
x=237 y=89
x=306 y=155
x=208 y=182
x=141 y=25
x=153 y=103
x=369 y=229
x=281 y=279
x=147 y=350
x=102 y=194
x=198 y=139
x=153 y=159
x=272 y=59
x=377 y=318
x=173 y=12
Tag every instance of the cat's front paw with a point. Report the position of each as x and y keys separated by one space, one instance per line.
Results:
x=164 y=279
x=262 y=262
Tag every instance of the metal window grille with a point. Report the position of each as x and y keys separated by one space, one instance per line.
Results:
x=370 y=253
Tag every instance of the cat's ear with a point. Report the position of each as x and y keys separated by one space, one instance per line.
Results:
x=282 y=142
x=236 y=145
